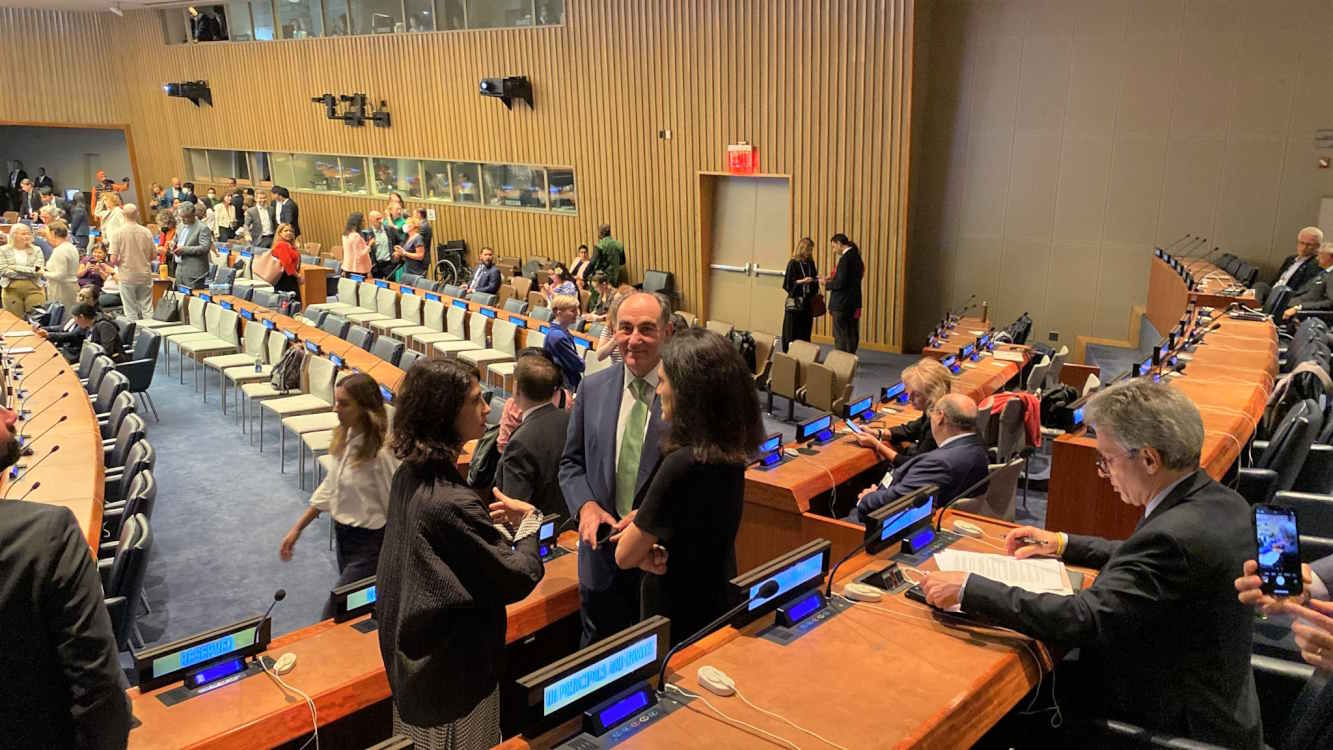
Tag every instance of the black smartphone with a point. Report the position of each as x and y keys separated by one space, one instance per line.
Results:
x=1277 y=549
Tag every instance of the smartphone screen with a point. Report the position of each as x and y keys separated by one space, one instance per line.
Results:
x=1277 y=549
x=854 y=427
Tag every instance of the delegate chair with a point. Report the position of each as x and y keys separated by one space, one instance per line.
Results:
x=121 y=406
x=501 y=374
x=346 y=297
x=410 y=357
x=386 y=307
x=476 y=339
x=258 y=371
x=455 y=323
x=116 y=451
x=489 y=300
x=999 y=493
x=116 y=486
x=502 y=348
x=226 y=341
x=122 y=579
x=452 y=290
x=787 y=374
x=719 y=327
x=388 y=349
x=541 y=313
x=1279 y=459
x=432 y=321
x=516 y=306
x=253 y=343
x=335 y=325
x=360 y=337
x=141 y=366
x=522 y=287
x=409 y=315
x=319 y=376
x=112 y=386
x=764 y=345
x=536 y=299
x=141 y=498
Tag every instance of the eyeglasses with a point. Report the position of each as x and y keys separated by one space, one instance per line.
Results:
x=1104 y=462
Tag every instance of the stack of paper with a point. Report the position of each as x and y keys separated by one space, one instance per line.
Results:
x=1037 y=575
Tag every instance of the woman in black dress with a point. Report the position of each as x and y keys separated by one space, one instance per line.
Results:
x=684 y=529
x=801 y=283
x=446 y=571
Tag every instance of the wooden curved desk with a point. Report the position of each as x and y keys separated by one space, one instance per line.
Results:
x=73 y=476
x=865 y=678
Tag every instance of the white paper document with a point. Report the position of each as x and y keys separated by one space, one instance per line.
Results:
x=20 y=350
x=18 y=334
x=1038 y=575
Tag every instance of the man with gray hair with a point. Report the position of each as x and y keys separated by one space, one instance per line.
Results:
x=1318 y=293
x=193 y=241
x=1297 y=270
x=958 y=462
x=1163 y=642
x=132 y=253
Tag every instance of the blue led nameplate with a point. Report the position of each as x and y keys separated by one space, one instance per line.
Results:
x=312 y=347
x=792 y=577
x=184 y=290
x=905 y=519
x=812 y=428
x=897 y=392
x=205 y=652
x=624 y=708
x=336 y=360
x=518 y=320
x=291 y=335
x=771 y=443
x=205 y=297
x=432 y=296
x=599 y=674
x=216 y=672
x=381 y=283
x=967 y=351
x=486 y=312
x=362 y=598
x=406 y=290
x=247 y=315
x=1078 y=416
x=860 y=408
x=460 y=303
x=358 y=278
x=386 y=393
x=268 y=324
x=545 y=329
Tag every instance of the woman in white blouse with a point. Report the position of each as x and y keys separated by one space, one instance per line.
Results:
x=110 y=215
x=356 y=491
x=21 y=265
x=62 y=269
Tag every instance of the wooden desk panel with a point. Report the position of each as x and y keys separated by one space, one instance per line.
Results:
x=338 y=666
x=1229 y=380
x=947 y=683
x=963 y=333
x=73 y=476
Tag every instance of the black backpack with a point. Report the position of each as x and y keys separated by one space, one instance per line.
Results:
x=1055 y=399
x=744 y=344
x=485 y=460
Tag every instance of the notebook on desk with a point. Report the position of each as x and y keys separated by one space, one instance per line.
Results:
x=1043 y=575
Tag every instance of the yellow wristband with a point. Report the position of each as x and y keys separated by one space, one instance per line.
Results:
x=1061 y=541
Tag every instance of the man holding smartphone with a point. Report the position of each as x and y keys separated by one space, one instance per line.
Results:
x=1163 y=642
x=1313 y=626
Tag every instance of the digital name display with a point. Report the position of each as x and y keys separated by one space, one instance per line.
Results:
x=518 y=320
x=544 y=330
x=794 y=576
x=771 y=443
x=487 y=312
x=205 y=651
x=460 y=303
x=433 y=297
x=1078 y=416
x=312 y=347
x=247 y=315
x=381 y=283
x=358 y=278
x=205 y=297
x=268 y=324
x=896 y=392
x=406 y=290
x=623 y=708
x=905 y=519
x=336 y=360
x=225 y=305
x=291 y=335
x=599 y=674
x=216 y=672
x=815 y=426
x=386 y=393
x=861 y=407
x=184 y=290
x=967 y=351
x=362 y=598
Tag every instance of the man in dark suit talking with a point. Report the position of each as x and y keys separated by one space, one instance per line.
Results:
x=844 y=294
x=610 y=451
x=1163 y=642
x=528 y=468
x=958 y=463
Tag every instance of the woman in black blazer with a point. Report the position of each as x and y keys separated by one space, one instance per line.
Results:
x=801 y=283
x=927 y=381
x=446 y=571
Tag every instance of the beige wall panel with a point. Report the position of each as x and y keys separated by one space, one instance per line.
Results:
x=1193 y=183
x=1070 y=286
x=1135 y=189
x=1080 y=201
x=1030 y=211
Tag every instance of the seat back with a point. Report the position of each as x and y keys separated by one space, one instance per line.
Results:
x=476 y=329
x=1315 y=511
x=452 y=290
x=783 y=376
x=456 y=321
x=1277 y=299
x=1091 y=384
x=101 y=366
x=819 y=383
x=121 y=406
x=386 y=303
x=522 y=286
x=540 y=313
x=336 y=325
x=133 y=555
x=721 y=328
x=535 y=340
x=266 y=298
x=147 y=345
x=87 y=356
x=536 y=299
x=764 y=343
x=506 y=294
x=584 y=296
x=515 y=305
x=432 y=314
x=410 y=279
x=256 y=335
x=212 y=314
x=276 y=344
x=503 y=335
x=366 y=292
x=1011 y=435
x=409 y=358
x=1310 y=724
x=126 y=328
x=346 y=291
x=113 y=384
x=1037 y=375
x=132 y=430
x=388 y=349
x=141 y=497
x=988 y=427
x=320 y=374
x=194 y=310
x=843 y=365
x=228 y=325
x=410 y=308
x=1057 y=364
x=997 y=498
x=490 y=300
x=1291 y=442
x=141 y=458
x=688 y=316
x=360 y=337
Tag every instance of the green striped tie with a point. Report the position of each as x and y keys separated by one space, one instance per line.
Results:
x=631 y=448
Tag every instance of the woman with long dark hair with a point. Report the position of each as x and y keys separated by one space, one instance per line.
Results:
x=356 y=491
x=801 y=283
x=446 y=571
x=683 y=533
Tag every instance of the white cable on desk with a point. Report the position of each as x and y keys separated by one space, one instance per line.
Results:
x=314 y=715
x=729 y=719
x=787 y=721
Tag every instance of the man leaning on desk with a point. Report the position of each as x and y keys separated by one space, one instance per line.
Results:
x=1163 y=642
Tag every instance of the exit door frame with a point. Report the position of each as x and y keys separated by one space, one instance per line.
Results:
x=707 y=180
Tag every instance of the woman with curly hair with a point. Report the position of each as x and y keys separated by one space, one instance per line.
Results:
x=446 y=570
x=684 y=531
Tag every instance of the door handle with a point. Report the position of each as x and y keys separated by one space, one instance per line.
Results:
x=745 y=269
x=767 y=271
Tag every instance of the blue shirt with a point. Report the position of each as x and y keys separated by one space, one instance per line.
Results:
x=559 y=347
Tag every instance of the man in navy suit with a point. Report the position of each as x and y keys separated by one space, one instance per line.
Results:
x=486 y=279
x=958 y=463
x=610 y=452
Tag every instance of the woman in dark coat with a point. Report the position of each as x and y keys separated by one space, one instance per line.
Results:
x=801 y=283
x=446 y=572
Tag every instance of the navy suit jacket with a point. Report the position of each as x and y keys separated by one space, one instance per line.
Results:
x=489 y=281
x=953 y=468
x=588 y=466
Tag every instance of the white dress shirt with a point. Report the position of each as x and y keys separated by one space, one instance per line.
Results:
x=357 y=493
x=1291 y=270
x=627 y=403
x=265 y=223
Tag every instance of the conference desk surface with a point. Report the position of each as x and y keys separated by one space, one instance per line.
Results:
x=964 y=332
x=60 y=419
x=1169 y=295
x=1229 y=379
x=892 y=674
x=337 y=665
x=780 y=510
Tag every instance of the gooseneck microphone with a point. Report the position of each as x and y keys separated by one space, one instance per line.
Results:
x=828 y=590
x=30 y=394
x=20 y=471
x=19 y=362
x=24 y=496
x=27 y=449
x=939 y=519
x=768 y=589
x=42 y=410
x=278 y=596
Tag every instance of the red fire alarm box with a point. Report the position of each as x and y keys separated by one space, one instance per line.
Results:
x=742 y=158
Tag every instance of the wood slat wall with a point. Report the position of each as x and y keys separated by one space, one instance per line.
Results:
x=821 y=87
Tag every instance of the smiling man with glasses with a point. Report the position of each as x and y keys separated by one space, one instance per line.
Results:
x=1163 y=642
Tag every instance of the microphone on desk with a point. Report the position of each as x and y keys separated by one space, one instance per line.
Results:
x=25 y=396
x=19 y=471
x=1192 y=246
x=16 y=364
x=42 y=410
x=1179 y=240
x=964 y=306
x=24 y=496
x=278 y=596
x=27 y=448
x=768 y=589
x=939 y=519
x=19 y=374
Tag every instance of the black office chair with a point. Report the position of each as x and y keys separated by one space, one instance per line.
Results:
x=121 y=406
x=388 y=349
x=127 y=329
x=122 y=579
x=1314 y=512
x=490 y=300
x=515 y=305
x=116 y=486
x=1279 y=459
x=112 y=385
x=116 y=451
x=316 y=317
x=360 y=337
x=139 y=370
x=336 y=325
x=410 y=279
x=87 y=355
x=410 y=357
x=102 y=364
x=1276 y=301
x=141 y=498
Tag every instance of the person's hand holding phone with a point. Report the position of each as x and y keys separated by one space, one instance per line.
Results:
x=1313 y=631
x=1252 y=594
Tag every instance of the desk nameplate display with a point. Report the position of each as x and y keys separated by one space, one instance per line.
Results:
x=668 y=704
x=785 y=636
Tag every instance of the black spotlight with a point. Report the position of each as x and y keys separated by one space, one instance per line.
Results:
x=508 y=89
x=195 y=91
